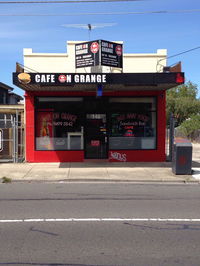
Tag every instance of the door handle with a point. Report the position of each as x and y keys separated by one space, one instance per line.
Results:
x=106 y=139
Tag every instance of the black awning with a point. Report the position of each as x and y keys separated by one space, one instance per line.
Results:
x=110 y=81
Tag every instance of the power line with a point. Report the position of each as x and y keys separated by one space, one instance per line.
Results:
x=104 y=13
x=64 y=2
x=171 y=56
x=184 y=52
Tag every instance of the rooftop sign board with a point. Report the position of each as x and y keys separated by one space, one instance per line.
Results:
x=99 y=53
x=87 y=54
x=111 y=54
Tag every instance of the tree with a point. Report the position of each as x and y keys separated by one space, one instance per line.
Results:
x=182 y=102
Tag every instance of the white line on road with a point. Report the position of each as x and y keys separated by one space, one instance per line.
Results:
x=101 y=220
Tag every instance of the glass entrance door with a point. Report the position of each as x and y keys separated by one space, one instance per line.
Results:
x=96 y=136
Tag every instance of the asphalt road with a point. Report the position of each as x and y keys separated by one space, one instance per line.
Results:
x=99 y=224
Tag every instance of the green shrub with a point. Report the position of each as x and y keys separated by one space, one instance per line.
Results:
x=6 y=179
x=189 y=126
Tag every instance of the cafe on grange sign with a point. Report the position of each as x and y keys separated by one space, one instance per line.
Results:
x=59 y=79
x=98 y=52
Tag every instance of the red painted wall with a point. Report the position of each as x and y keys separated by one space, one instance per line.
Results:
x=157 y=155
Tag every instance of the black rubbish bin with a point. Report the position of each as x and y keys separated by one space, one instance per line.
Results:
x=182 y=158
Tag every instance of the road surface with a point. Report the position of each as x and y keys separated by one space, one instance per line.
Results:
x=99 y=224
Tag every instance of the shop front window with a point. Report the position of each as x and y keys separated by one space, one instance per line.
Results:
x=133 y=123
x=59 y=123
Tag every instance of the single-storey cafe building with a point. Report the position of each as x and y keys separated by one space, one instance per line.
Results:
x=95 y=102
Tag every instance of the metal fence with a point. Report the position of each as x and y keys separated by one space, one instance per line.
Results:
x=11 y=138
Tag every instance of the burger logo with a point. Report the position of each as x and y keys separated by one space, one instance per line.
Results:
x=24 y=78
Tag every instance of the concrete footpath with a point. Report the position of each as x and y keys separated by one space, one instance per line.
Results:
x=102 y=171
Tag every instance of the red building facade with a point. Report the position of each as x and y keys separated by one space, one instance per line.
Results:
x=122 y=118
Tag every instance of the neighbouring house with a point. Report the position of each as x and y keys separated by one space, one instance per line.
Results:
x=11 y=124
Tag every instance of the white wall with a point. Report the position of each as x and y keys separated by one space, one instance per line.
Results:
x=145 y=62
x=65 y=62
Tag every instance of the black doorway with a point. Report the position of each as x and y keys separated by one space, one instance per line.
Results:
x=95 y=136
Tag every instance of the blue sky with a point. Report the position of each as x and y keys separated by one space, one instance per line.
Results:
x=141 y=33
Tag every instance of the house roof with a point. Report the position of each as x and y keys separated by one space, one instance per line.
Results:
x=16 y=95
x=6 y=87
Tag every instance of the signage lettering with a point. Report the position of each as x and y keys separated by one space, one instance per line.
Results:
x=90 y=78
x=136 y=116
x=70 y=119
x=45 y=78
x=68 y=78
x=107 y=50
x=95 y=143
x=118 y=156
